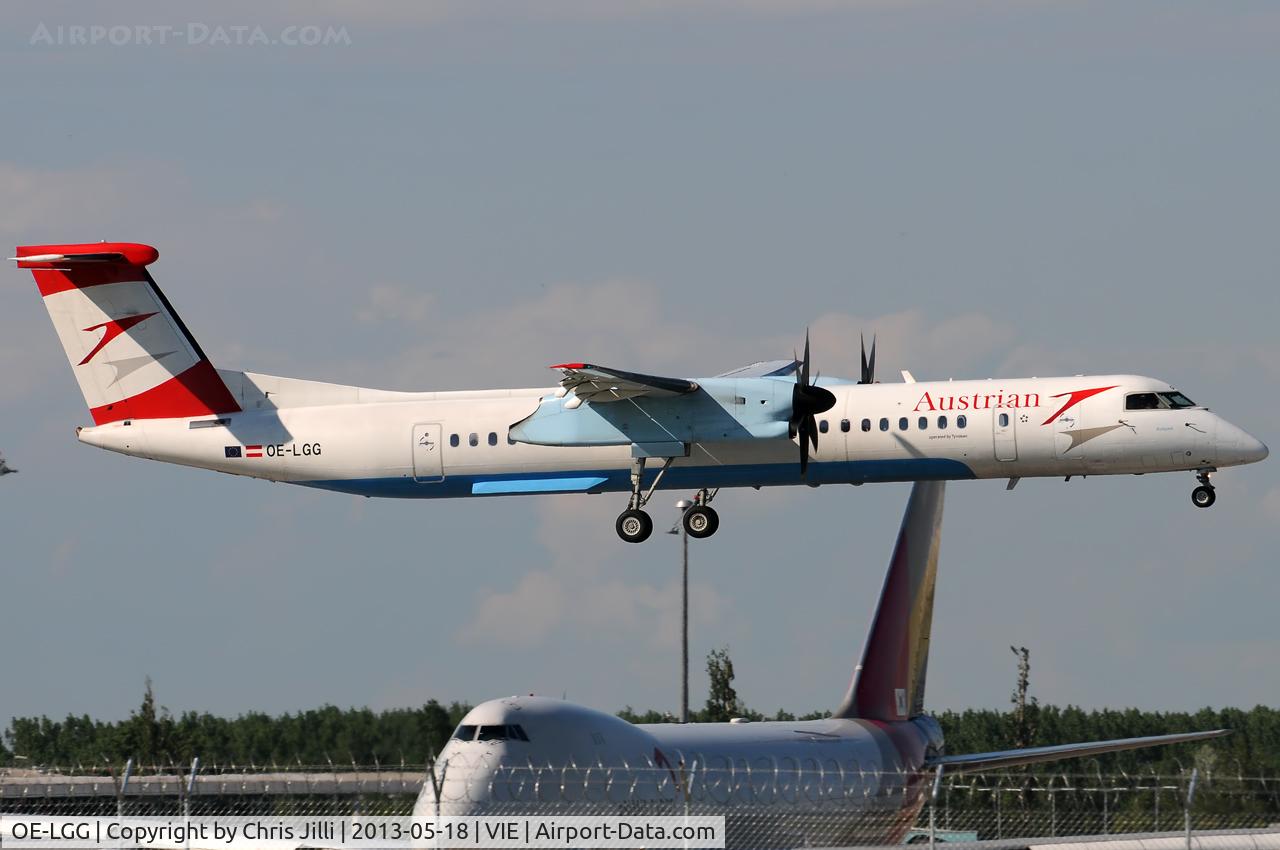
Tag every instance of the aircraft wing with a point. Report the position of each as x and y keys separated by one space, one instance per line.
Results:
x=763 y=369
x=593 y=383
x=1031 y=755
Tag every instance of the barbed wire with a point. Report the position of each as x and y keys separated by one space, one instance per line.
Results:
x=775 y=803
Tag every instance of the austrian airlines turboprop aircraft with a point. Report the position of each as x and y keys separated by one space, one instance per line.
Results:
x=153 y=393
x=857 y=778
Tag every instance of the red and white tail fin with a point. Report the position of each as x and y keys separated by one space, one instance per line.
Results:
x=132 y=355
x=888 y=684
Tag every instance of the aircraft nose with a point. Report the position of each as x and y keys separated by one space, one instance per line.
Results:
x=1252 y=449
x=1242 y=446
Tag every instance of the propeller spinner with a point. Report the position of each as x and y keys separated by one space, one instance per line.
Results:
x=807 y=401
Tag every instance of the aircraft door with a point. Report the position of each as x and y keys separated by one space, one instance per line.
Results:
x=1004 y=424
x=428 y=450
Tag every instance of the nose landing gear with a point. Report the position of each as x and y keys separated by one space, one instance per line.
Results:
x=1204 y=495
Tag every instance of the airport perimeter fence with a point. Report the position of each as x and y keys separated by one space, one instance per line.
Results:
x=769 y=801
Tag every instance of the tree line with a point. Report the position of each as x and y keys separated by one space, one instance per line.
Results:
x=329 y=735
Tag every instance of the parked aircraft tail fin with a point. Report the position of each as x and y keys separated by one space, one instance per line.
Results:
x=131 y=354
x=888 y=684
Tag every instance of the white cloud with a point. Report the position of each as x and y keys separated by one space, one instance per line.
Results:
x=584 y=592
x=390 y=303
x=630 y=325
x=931 y=349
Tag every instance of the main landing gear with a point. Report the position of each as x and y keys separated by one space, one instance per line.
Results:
x=701 y=520
x=634 y=525
x=1204 y=495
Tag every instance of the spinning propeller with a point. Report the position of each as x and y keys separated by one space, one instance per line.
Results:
x=807 y=401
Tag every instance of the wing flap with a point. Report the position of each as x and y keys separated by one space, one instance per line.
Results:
x=1032 y=755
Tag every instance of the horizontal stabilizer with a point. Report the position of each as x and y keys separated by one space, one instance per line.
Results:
x=1034 y=755
x=129 y=253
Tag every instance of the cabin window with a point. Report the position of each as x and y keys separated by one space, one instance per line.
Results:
x=510 y=440
x=453 y=440
x=866 y=424
x=823 y=426
x=1004 y=420
x=903 y=424
x=942 y=423
x=473 y=439
x=884 y=424
x=844 y=425
x=493 y=438
x=465 y=732
x=923 y=423
x=962 y=421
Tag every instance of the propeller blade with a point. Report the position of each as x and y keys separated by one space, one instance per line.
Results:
x=808 y=400
x=804 y=366
x=868 y=363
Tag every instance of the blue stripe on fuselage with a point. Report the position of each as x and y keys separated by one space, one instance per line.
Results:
x=677 y=477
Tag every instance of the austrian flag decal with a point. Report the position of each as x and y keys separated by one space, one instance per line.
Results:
x=253 y=451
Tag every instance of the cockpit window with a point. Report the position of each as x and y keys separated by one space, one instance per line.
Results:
x=513 y=732
x=1142 y=401
x=1157 y=401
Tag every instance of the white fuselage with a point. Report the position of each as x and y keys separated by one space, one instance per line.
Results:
x=779 y=784
x=453 y=444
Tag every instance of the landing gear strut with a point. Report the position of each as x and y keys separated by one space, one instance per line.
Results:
x=701 y=520
x=634 y=525
x=1204 y=495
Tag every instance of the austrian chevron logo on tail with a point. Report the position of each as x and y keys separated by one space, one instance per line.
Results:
x=113 y=329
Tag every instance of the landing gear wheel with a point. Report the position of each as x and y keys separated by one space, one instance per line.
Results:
x=1203 y=496
x=701 y=521
x=634 y=526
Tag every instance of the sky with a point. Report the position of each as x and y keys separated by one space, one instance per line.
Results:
x=450 y=195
